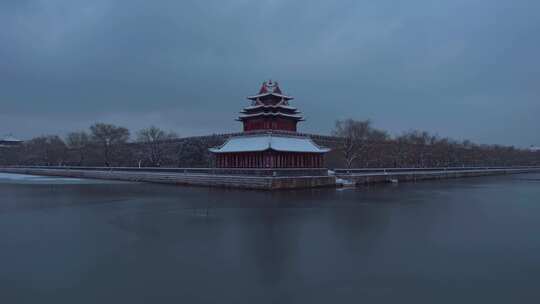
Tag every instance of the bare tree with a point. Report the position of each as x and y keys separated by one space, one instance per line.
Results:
x=357 y=138
x=193 y=152
x=79 y=142
x=420 y=143
x=109 y=138
x=356 y=144
x=153 y=141
x=47 y=150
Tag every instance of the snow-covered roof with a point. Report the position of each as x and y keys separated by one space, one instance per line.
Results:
x=270 y=106
x=10 y=138
x=269 y=88
x=260 y=143
x=270 y=94
x=270 y=114
x=534 y=149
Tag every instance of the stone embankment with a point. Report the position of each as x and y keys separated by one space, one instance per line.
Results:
x=267 y=179
x=243 y=179
x=395 y=175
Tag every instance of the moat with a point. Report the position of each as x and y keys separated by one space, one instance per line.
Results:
x=449 y=241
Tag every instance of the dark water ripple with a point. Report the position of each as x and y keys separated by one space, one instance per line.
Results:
x=456 y=241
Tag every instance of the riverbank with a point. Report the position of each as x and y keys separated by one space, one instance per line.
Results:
x=397 y=175
x=267 y=179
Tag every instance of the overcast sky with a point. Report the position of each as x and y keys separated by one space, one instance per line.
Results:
x=467 y=69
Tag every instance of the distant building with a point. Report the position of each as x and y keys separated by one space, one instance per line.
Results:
x=10 y=141
x=534 y=149
x=270 y=138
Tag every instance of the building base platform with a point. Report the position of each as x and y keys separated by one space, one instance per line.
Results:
x=265 y=180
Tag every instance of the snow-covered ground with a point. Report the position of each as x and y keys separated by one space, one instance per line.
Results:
x=34 y=179
x=345 y=182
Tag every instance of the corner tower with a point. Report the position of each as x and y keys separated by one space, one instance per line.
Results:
x=270 y=110
x=270 y=138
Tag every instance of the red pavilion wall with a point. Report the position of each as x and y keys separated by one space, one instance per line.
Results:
x=270 y=124
x=270 y=160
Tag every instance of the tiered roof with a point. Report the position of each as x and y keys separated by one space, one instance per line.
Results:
x=270 y=102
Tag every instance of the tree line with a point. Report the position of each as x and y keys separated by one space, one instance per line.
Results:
x=364 y=146
x=354 y=144
x=110 y=145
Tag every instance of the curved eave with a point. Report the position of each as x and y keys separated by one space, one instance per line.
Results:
x=278 y=106
x=248 y=116
x=270 y=94
x=255 y=112
x=243 y=119
x=217 y=151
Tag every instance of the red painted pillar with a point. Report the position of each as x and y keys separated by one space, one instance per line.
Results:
x=291 y=160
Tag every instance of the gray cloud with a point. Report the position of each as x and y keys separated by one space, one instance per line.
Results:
x=464 y=68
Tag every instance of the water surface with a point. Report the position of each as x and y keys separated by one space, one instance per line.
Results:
x=83 y=241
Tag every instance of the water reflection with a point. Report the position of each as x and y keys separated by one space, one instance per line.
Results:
x=139 y=243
